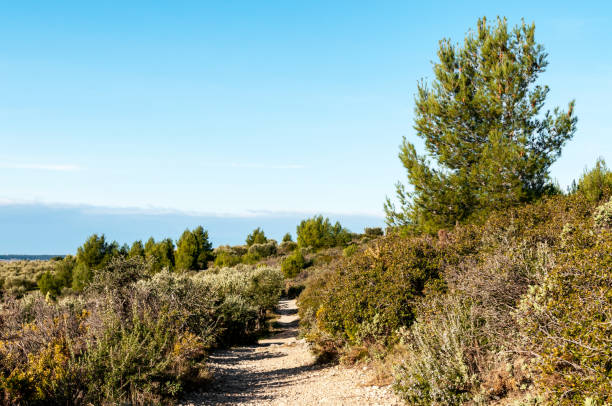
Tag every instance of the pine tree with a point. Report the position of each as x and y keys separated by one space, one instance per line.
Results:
x=193 y=250
x=187 y=251
x=482 y=123
x=137 y=250
x=204 y=247
x=256 y=237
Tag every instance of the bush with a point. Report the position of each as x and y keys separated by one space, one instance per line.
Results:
x=350 y=250
x=226 y=259
x=374 y=231
x=293 y=264
x=130 y=337
x=603 y=216
x=438 y=366
x=566 y=321
x=371 y=294
x=19 y=277
x=287 y=247
x=263 y=250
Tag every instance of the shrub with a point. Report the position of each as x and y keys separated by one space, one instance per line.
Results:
x=566 y=321
x=263 y=250
x=374 y=231
x=374 y=287
x=350 y=250
x=287 y=247
x=287 y=238
x=49 y=284
x=603 y=216
x=318 y=232
x=438 y=366
x=293 y=264
x=226 y=259
x=130 y=337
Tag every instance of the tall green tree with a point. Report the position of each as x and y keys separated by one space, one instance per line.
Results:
x=187 y=252
x=482 y=124
x=193 y=250
x=256 y=237
x=95 y=253
x=137 y=250
x=318 y=232
x=205 y=250
x=161 y=253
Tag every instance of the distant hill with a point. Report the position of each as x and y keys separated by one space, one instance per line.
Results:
x=10 y=257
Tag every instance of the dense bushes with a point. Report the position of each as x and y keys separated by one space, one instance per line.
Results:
x=19 y=277
x=369 y=296
x=567 y=321
x=517 y=306
x=130 y=337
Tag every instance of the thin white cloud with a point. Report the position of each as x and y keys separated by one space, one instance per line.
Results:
x=246 y=165
x=265 y=166
x=41 y=167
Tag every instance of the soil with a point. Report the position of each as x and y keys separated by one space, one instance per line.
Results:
x=281 y=370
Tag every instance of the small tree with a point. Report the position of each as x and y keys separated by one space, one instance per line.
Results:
x=287 y=237
x=161 y=253
x=137 y=250
x=483 y=125
x=318 y=232
x=187 y=251
x=256 y=237
x=96 y=252
x=205 y=250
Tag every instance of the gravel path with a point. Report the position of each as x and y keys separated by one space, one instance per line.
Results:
x=281 y=371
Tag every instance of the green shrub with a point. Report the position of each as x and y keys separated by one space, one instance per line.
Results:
x=263 y=250
x=566 y=322
x=287 y=247
x=293 y=264
x=376 y=287
x=226 y=259
x=603 y=216
x=350 y=250
x=131 y=336
x=48 y=284
x=436 y=368
x=374 y=231
x=287 y=238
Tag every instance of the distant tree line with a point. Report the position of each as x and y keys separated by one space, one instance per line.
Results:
x=193 y=252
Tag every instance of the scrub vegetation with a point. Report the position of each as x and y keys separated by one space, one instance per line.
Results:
x=490 y=285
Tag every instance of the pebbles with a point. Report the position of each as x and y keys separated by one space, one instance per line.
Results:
x=281 y=371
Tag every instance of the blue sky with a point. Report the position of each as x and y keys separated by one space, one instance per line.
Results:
x=239 y=108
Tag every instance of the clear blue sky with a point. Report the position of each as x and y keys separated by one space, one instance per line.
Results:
x=233 y=107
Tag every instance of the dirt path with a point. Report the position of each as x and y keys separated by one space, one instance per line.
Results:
x=281 y=371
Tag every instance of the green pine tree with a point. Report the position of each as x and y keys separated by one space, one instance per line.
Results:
x=483 y=126
x=205 y=250
x=137 y=250
x=187 y=252
x=256 y=237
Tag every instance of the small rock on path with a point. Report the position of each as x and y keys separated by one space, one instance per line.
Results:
x=282 y=371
